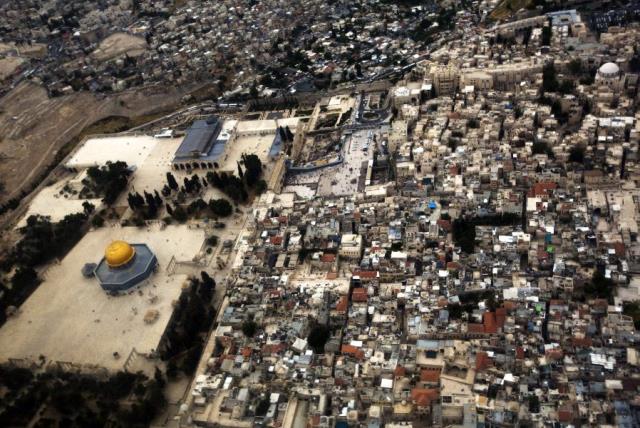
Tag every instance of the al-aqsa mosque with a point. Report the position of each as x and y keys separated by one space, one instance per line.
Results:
x=123 y=266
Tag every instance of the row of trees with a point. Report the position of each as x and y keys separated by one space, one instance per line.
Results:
x=108 y=181
x=237 y=188
x=192 y=318
x=41 y=241
x=81 y=400
x=147 y=205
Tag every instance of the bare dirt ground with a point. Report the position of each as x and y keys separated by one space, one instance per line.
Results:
x=35 y=128
x=8 y=65
x=118 y=44
x=35 y=50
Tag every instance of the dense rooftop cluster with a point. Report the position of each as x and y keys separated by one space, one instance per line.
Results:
x=116 y=45
x=494 y=281
x=451 y=242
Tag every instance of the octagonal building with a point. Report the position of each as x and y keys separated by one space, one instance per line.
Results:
x=124 y=266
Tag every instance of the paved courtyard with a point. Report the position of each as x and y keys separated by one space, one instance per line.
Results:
x=69 y=318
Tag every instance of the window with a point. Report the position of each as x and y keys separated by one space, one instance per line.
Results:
x=446 y=399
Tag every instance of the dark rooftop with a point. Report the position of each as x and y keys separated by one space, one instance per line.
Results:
x=200 y=139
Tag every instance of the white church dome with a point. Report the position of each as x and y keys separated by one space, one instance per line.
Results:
x=609 y=70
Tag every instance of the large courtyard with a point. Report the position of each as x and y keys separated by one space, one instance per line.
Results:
x=70 y=319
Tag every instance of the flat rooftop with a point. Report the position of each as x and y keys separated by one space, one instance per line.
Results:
x=70 y=318
x=132 y=149
x=200 y=139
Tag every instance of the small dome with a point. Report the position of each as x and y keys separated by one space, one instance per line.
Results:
x=119 y=253
x=609 y=69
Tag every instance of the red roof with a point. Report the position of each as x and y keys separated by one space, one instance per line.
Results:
x=565 y=414
x=342 y=304
x=328 y=258
x=366 y=274
x=584 y=342
x=489 y=322
x=453 y=266
x=430 y=376
x=542 y=188
x=509 y=305
x=475 y=328
x=483 y=361
x=276 y=240
x=353 y=351
x=274 y=294
x=423 y=397
x=399 y=371
x=444 y=224
x=359 y=295
x=619 y=248
x=554 y=354
x=519 y=353
x=501 y=315
x=274 y=349
x=315 y=420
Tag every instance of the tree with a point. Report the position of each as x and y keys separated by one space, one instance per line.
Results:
x=97 y=221
x=108 y=180
x=192 y=358
x=261 y=187
x=207 y=285
x=262 y=407
x=549 y=80
x=253 y=91
x=157 y=198
x=24 y=277
x=172 y=369
x=634 y=64
x=249 y=328
x=196 y=206
x=599 y=287
x=152 y=208
x=566 y=87
x=318 y=337
x=575 y=67
x=539 y=148
x=576 y=154
x=188 y=186
x=220 y=207
x=464 y=234
x=289 y=133
x=171 y=181
x=179 y=214
x=88 y=208
x=632 y=309
x=253 y=167
x=546 y=35
x=159 y=377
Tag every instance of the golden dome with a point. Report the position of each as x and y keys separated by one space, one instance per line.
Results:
x=119 y=253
